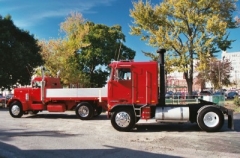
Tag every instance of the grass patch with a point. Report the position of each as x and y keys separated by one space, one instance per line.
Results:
x=230 y=105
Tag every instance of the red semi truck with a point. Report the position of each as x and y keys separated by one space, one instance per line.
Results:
x=133 y=94
x=46 y=93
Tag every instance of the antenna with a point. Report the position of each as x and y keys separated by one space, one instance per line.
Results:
x=28 y=70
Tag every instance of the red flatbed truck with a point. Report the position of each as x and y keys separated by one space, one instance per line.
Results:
x=46 y=93
x=133 y=94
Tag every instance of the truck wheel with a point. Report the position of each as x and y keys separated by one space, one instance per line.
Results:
x=123 y=119
x=98 y=111
x=84 y=111
x=15 y=110
x=210 y=119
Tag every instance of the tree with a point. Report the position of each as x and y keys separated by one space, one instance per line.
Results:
x=19 y=54
x=85 y=51
x=186 y=28
x=106 y=44
x=57 y=58
x=62 y=53
x=215 y=71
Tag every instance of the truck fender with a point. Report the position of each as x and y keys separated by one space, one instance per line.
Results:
x=115 y=107
x=120 y=106
x=81 y=103
x=11 y=101
x=205 y=106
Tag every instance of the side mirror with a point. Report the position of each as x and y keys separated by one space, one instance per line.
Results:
x=116 y=78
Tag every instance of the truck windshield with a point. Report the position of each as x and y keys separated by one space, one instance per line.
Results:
x=36 y=84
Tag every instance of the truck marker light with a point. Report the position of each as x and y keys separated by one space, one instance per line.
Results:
x=27 y=97
x=114 y=101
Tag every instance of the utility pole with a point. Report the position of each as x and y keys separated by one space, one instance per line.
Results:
x=236 y=78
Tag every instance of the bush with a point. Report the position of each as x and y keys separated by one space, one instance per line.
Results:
x=236 y=101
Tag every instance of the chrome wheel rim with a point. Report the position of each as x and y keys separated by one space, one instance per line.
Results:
x=83 y=111
x=211 y=119
x=122 y=119
x=15 y=110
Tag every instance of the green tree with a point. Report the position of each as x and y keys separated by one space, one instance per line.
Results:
x=186 y=28
x=106 y=44
x=19 y=54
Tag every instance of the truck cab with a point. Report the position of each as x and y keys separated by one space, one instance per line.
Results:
x=49 y=82
x=32 y=98
x=132 y=83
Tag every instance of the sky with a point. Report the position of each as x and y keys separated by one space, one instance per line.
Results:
x=42 y=18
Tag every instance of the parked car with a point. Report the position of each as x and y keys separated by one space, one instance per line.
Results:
x=231 y=95
x=9 y=96
x=169 y=95
x=194 y=94
x=177 y=95
x=2 y=100
x=218 y=93
x=204 y=93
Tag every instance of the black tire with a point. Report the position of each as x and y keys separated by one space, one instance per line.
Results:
x=97 y=111
x=123 y=119
x=2 y=104
x=15 y=110
x=84 y=111
x=210 y=119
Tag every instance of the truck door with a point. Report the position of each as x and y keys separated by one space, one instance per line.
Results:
x=120 y=87
x=35 y=95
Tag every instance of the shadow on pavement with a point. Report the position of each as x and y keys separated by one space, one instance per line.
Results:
x=62 y=116
x=9 y=151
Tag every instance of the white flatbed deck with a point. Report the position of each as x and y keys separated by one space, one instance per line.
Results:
x=77 y=93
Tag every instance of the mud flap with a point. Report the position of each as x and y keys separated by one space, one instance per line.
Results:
x=230 y=119
x=228 y=112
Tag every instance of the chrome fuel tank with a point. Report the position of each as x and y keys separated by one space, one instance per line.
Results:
x=172 y=114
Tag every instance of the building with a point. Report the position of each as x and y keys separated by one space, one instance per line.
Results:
x=234 y=58
x=176 y=82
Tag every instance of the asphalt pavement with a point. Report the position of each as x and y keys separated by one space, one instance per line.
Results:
x=64 y=135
